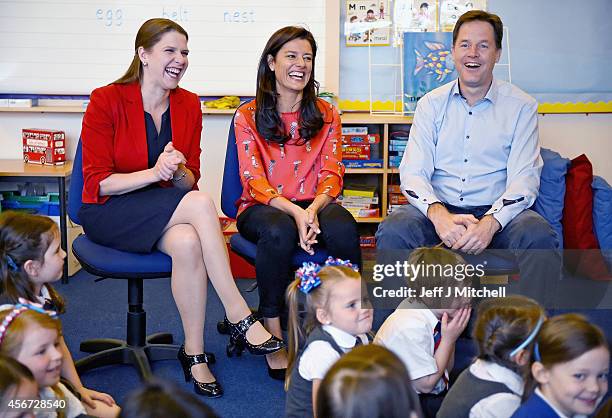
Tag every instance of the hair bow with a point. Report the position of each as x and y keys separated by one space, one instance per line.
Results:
x=309 y=272
x=11 y=263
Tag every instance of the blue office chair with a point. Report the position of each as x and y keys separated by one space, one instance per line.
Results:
x=138 y=349
x=231 y=192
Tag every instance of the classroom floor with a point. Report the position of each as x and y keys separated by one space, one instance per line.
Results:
x=98 y=309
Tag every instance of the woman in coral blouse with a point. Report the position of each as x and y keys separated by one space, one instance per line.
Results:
x=141 y=164
x=290 y=154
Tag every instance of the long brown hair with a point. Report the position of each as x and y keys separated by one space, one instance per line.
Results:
x=564 y=338
x=267 y=118
x=24 y=237
x=367 y=382
x=316 y=298
x=502 y=325
x=148 y=35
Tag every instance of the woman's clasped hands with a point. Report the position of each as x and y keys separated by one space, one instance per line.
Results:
x=308 y=228
x=168 y=162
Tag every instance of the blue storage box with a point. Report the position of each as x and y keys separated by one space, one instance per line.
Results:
x=37 y=205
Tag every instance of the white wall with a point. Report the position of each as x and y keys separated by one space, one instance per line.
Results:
x=570 y=135
x=574 y=134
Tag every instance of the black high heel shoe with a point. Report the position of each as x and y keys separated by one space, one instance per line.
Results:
x=223 y=326
x=276 y=374
x=212 y=389
x=238 y=340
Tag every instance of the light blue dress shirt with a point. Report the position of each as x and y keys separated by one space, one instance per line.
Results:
x=486 y=154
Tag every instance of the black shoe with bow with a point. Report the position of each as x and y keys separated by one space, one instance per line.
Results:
x=212 y=389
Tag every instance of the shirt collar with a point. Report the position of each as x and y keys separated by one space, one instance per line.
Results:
x=44 y=295
x=487 y=369
x=342 y=338
x=561 y=414
x=490 y=96
x=430 y=317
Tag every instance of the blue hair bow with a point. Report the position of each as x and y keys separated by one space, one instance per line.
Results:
x=11 y=263
x=309 y=272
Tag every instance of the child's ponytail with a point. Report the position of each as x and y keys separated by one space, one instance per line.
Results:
x=294 y=329
x=504 y=327
x=14 y=282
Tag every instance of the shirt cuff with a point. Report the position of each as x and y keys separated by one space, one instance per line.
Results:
x=502 y=214
x=421 y=203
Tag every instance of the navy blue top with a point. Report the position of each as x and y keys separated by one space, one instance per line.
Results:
x=156 y=142
x=535 y=406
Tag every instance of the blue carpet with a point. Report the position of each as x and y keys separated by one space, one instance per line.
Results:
x=96 y=310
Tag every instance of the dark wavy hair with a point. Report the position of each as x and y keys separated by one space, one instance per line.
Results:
x=267 y=118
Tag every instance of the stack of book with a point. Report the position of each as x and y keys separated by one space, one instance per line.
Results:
x=360 y=200
x=367 y=241
x=357 y=147
x=397 y=144
x=396 y=198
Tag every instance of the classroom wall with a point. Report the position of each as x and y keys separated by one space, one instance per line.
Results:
x=568 y=134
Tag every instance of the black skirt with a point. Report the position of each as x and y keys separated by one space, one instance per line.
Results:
x=131 y=222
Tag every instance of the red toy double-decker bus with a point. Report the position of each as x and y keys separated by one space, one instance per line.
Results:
x=44 y=146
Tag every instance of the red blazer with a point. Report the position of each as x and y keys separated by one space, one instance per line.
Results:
x=114 y=136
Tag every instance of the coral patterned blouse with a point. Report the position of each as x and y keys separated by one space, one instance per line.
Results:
x=296 y=172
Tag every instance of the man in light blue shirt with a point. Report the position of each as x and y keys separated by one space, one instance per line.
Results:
x=472 y=164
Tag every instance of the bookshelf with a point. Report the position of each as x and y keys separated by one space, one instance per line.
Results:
x=384 y=125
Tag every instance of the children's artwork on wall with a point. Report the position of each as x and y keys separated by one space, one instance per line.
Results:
x=450 y=10
x=417 y=15
x=368 y=22
x=428 y=64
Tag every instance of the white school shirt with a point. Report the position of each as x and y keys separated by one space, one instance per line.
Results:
x=499 y=405
x=409 y=334
x=319 y=356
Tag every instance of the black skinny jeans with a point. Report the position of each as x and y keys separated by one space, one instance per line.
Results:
x=276 y=236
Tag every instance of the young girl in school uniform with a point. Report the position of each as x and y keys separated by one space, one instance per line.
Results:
x=337 y=320
x=492 y=386
x=31 y=335
x=30 y=260
x=570 y=369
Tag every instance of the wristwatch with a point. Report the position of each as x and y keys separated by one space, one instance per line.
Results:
x=180 y=177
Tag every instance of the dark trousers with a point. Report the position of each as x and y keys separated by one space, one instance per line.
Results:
x=528 y=237
x=276 y=236
x=430 y=404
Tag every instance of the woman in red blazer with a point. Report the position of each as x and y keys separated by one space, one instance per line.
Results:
x=141 y=164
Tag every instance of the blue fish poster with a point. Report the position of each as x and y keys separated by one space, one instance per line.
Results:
x=428 y=64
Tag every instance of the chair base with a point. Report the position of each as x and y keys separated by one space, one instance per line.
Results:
x=110 y=351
